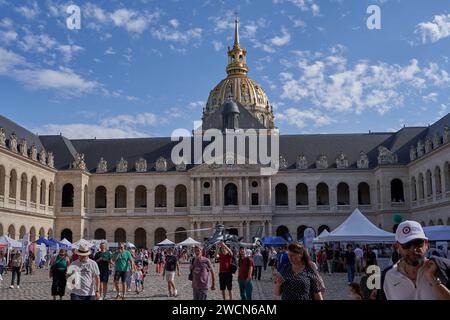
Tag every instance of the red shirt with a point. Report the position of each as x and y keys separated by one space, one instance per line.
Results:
x=225 y=262
x=244 y=268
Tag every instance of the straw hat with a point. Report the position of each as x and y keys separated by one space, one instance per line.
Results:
x=83 y=250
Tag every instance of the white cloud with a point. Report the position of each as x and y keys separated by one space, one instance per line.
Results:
x=89 y=131
x=304 y=5
x=8 y=36
x=130 y=20
x=110 y=51
x=174 y=23
x=69 y=50
x=281 y=40
x=218 y=46
x=197 y=104
x=169 y=34
x=63 y=80
x=301 y=118
x=432 y=97
x=437 y=29
x=29 y=12
x=329 y=82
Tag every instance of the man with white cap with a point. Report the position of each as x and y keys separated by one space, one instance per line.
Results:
x=86 y=275
x=414 y=277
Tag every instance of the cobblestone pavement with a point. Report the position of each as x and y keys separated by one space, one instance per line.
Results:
x=37 y=287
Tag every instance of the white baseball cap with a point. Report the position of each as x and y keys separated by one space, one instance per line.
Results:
x=409 y=230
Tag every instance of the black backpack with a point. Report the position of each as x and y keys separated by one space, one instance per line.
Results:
x=234 y=265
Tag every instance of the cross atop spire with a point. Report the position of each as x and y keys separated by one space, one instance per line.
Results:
x=237 y=64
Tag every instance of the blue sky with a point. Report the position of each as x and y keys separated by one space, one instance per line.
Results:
x=145 y=67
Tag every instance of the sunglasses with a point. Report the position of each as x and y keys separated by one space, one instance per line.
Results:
x=418 y=243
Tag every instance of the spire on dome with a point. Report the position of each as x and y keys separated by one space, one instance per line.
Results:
x=236 y=56
x=236 y=32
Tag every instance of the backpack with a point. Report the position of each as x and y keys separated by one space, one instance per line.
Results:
x=191 y=275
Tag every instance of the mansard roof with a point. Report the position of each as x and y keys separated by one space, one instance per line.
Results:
x=291 y=146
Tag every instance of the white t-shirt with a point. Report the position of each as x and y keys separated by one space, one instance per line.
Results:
x=399 y=287
x=87 y=272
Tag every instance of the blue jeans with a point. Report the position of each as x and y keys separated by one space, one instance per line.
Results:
x=350 y=272
x=245 y=288
x=77 y=297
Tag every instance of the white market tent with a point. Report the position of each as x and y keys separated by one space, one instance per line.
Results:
x=10 y=242
x=437 y=233
x=320 y=237
x=357 y=228
x=66 y=242
x=166 y=243
x=188 y=242
x=77 y=244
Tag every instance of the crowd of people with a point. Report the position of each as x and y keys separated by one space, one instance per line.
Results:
x=415 y=272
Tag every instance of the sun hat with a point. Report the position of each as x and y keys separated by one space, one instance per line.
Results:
x=83 y=250
x=409 y=230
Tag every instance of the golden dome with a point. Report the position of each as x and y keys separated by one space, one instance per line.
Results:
x=239 y=86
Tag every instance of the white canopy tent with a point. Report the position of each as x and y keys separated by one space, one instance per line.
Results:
x=77 y=244
x=66 y=242
x=166 y=243
x=357 y=228
x=437 y=233
x=10 y=242
x=189 y=242
x=320 y=237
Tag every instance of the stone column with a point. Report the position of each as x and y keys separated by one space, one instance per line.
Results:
x=269 y=190
x=110 y=199
x=151 y=199
x=240 y=192
x=292 y=193
x=7 y=179
x=312 y=197
x=241 y=229
x=170 y=199
x=19 y=192
x=192 y=193
x=332 y=196
x=263 y=234
x=213 y=192
x=270 y=229
x=130 y=200
x=247 y=192
x=353 y=189
x=247 y=231
x=220 y=192
x=198 y=193
x=262 y=192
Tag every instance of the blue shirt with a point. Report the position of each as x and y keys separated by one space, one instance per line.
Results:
x=282 y=259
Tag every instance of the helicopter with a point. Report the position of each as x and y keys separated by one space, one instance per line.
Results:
x=225 y=234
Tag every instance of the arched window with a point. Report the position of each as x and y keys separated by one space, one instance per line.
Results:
x=301 y=232
x=140 y=197
x=2 y=180
x=100 y=234
x=13 y=184
x=120 y=235
x=100 y=197
x=281 y=195
x=343 y=194
x=32 y=234
x=438 y=180
x=160 y=235
x=51 y=194
x=431 y=223
x=429 y=183
x=22 y=232
x=378 y=192
x=50 y=233
x=23 y=187
x=397 y=194
x=1 y=230
x=180 y=235
x=120 y=199
x=67 y=196
x=12 y=232
x=43 y=190
x=34 y=190
x=301 y=195
x=42 y=233
x=413 y=189
x=140 y=238
x=231 y=195
x=363 y=194
x=85 y=196
x=160 y=197
x=440 y=222
x=322 y=228
x=66 y=234
x=322 y=195
x=421 y=187
x=283 y=231
x=448 y=221
x=180 y=196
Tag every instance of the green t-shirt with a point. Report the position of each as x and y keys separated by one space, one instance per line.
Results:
x=103 y=264
x=122 y=260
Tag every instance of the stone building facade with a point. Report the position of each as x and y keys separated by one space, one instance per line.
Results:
x=129 y=189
